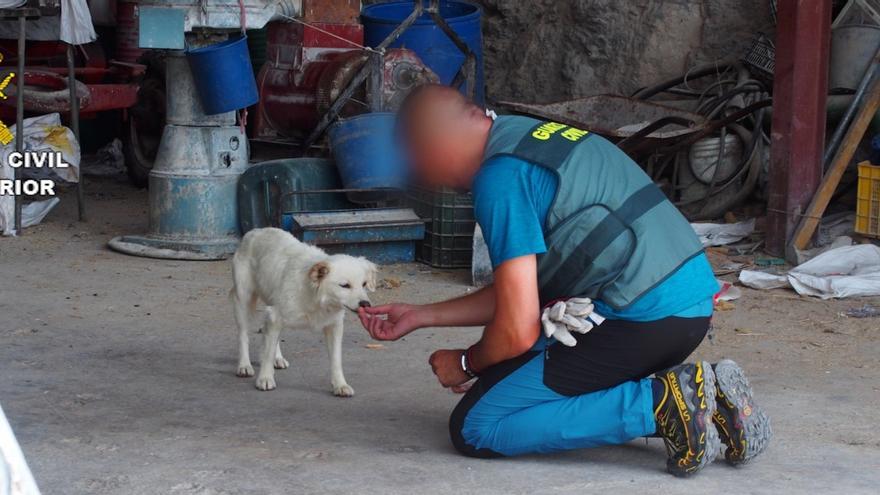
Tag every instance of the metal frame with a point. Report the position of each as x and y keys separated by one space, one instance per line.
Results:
x=372 y=67
x=800 y=90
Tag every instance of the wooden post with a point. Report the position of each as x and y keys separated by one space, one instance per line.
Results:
x=799 y=95
x=810 y=221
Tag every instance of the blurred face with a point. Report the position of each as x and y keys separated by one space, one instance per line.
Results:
x=443 y=138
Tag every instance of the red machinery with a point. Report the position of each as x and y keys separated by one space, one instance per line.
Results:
x=101 y=85
x=309 y=63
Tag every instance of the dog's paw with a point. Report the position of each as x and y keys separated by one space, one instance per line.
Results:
x=267 y=383
x=281 y=364
x=343 y=391
x=244 y=371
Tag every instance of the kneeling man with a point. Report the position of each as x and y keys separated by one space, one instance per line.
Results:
x=570 y=219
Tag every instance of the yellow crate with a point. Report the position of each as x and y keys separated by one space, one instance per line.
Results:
x=868 y=205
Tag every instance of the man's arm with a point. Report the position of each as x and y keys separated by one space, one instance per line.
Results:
x=513 y=330
x=395 y=320
x=471 y=310
x=516 y=325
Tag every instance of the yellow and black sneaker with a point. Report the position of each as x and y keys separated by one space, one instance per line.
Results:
x=742 y=425
x=684 y=417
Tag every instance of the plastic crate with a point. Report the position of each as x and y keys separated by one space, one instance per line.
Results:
x=761 y=56
x=449 y=227
x=868 y=204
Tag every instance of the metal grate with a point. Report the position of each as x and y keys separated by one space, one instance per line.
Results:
x=762 y=56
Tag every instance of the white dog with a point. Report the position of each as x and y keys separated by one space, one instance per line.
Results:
x=303 y=288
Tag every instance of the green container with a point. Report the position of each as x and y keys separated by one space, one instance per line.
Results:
x=269 y=190
x=449 y=227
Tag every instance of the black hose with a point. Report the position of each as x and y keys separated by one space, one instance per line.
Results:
x=718 y=101
x=697 y=73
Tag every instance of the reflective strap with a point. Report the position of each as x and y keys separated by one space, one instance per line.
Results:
x=550 y=143
x=591 y=247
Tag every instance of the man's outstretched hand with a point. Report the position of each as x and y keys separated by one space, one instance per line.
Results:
x=389 y=321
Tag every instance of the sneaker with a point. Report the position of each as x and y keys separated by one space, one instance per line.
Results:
x=684 y=417
x=742 y=425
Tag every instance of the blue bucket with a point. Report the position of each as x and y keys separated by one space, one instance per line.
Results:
x=367 y=153
x=427 y=40
x=223 y=76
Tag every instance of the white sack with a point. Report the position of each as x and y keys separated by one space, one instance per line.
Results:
x=34 y=212
x=763 y=280
x=720 y=234
x=850 y=271
x=43 y=133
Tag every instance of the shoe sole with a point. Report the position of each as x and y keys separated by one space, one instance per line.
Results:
x=732 y=382
x=713 y=441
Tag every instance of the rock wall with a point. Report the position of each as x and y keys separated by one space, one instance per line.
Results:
x=547 y=50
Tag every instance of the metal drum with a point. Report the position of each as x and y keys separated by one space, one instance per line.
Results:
x=193 y=209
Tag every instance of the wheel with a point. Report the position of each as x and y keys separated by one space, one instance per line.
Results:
x=146 y=121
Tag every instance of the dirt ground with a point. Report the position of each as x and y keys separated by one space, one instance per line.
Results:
x=117 y=377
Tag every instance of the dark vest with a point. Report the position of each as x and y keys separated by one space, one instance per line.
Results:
x=611 y=234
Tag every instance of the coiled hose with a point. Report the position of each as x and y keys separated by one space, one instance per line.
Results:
x=735 y=103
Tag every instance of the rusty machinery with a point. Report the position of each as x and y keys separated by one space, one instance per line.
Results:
x=310 y=64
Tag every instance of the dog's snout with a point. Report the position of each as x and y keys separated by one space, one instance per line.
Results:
x=364 y=304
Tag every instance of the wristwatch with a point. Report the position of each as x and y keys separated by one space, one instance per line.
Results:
x=466 y=366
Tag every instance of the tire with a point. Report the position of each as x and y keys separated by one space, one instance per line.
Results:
x=142 y=131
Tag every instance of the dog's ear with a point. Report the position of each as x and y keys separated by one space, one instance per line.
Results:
x=372 y=272
x=319 y=271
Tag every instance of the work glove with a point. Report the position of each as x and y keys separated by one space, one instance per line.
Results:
x=565 y=317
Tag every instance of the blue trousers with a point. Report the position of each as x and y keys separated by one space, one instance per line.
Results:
x=559 y=398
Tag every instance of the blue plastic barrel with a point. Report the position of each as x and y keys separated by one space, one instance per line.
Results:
x=367 y=153
x=427 y=40
x=223 y=76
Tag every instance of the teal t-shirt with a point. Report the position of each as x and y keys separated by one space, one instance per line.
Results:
x=511 y=201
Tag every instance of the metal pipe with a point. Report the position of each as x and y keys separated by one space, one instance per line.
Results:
x=843 y=125
x=651 y=128
x=418 y=9
x=74 y=125
x=468 y=67
x=336 y=107
x=19 y=115
x=377 y=81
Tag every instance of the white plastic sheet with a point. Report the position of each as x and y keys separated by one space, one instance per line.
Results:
x=720 y=234
x=76 y=23
x=850 y=271
x=15 y=476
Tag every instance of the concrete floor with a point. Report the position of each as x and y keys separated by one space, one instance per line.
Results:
x=117 y=376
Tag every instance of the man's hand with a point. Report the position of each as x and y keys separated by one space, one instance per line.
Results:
x=446 y=364
x=390 y=321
